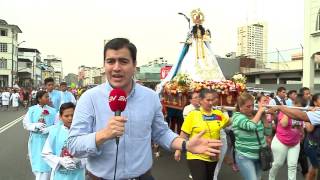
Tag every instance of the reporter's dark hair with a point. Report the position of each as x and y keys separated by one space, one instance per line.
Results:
x=315 y=97
x=119 y=43
x=300 y=100
x=47 y=80
x=65 y=106
x=40 y=94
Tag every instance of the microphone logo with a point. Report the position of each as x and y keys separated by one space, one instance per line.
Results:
x=114 y=98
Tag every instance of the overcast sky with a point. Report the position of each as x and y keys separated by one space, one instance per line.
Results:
x=75 y=30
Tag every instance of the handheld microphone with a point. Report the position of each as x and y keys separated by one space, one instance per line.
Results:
x=117 y=103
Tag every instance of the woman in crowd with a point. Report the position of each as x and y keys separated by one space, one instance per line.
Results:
x=267 y=121
x=286 y=143
x=312 y=143
x=246 y=125
x=37 y=120
x=206 y=119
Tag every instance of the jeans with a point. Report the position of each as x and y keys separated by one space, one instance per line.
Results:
x=281 y=152
x=250 y=169
x=224 y=148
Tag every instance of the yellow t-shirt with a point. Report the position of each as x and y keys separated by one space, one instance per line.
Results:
x=197 y=121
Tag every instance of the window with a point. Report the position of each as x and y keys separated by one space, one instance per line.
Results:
x=3 y=47
x=3 y=64
x=3 y=32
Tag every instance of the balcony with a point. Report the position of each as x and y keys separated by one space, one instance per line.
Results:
x=315 y=34
x=25 y=70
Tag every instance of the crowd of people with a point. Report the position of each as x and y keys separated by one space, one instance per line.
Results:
x=293 y=138
x=16 y=97
x=71 y=138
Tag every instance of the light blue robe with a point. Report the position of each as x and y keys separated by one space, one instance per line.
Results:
x=67 y=97
x=37 y=139
x=55 y=99
x=58 y=136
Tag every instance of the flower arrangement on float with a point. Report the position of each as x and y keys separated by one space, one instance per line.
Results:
x=183 y=84
x=176 y=91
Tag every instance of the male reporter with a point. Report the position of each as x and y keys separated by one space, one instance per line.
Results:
x=95 y=128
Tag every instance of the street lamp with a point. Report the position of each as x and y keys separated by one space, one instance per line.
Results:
x=17 y=75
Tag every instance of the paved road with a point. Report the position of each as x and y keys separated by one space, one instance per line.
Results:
x=14 y=164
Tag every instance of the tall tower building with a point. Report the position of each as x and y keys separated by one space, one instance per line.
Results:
x=253 y=42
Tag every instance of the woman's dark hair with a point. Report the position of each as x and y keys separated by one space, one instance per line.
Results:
x=65 y=106
x=194 y=30
x=271 y=95
x=205 y=91
x=119 y=43
x=315 y=97
x=300 y=101
x=242 y=99
x=39 y=95
x=260 y=97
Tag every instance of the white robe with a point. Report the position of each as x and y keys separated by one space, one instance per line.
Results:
x=15 y=99
x=5 y=98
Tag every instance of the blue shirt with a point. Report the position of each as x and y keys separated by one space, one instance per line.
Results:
x=145 y=122
x=314 y=117
x=66 y=97
x=55 y=99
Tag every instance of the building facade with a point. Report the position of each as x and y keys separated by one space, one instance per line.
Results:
x=47 y=71
x=90 y=75
x=8 y=53
x=311 y=40
x=253 y=42
x=71 y=78
x=56 y=63
x=29 y=67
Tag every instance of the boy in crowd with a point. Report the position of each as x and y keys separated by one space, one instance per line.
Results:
x=55 y=153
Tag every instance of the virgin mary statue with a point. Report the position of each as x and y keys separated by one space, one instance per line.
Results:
x=197 y=59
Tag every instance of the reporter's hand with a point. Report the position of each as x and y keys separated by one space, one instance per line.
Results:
x=115 y=127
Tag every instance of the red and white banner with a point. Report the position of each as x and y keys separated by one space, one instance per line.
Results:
x=165 y=71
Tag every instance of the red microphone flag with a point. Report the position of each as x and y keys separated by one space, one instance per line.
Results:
x=117 y=100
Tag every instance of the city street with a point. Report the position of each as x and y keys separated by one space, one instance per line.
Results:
x=14 y=164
